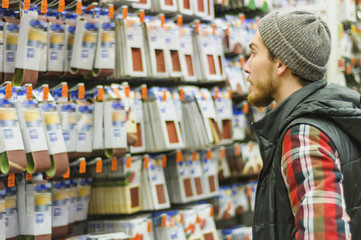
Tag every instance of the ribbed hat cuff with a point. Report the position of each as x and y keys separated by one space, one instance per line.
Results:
x=278 y=45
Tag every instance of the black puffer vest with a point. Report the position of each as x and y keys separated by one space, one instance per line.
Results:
x=336 y=111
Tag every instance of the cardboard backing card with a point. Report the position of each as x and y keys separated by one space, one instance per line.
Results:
x=195 y=171
x=11 y=211
x=223 y=105
x=143 y=4
x=137 y=109
x=105 y=50
x=186 y=7
x=210 y=175
x=11 y=35
x=206 y=221
x=56 y=46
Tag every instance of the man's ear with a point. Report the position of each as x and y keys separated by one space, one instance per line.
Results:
x=281 y=67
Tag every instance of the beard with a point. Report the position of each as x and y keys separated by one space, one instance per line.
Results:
x=261 y=93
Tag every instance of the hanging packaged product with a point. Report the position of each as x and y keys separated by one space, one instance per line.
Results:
x=2 y=211
x=115 y=116
x=85 y=39
x=104 y=62
x=60 y=209
x=223 y=105
x=236 y=34
x=177 y=98
x=157 y=47
x=12 y=150
x=69 y=30
x=35 y=208
x=96 y=96
x=184 y=190
x=54 y=134
x=176 y=63
x=206 y=222
x=235 y=160
x=11 y=211
x=186 y=7
x=208 y=111
x=83 y=199
x=210 y=175
x=226 y=208
x=236 y=75
x=155 y=194
x=210 y=52
x=56 y=46
x=167 y=227
x=196 y=172
x=252 y=158
x=164 y=6
x=195 y=131
x=347 y=11
x=11 y=35
x=191 y=228
x=84 y=124
x=130 y=125
x=32 y=47
x=130 y=40
x=68 y=116
x=137 y=109
x=223 y=168
x=239 y=198
x=200 y=8
x=131 y=193
x=32 y=129
x=187 y=53
x=163 y=116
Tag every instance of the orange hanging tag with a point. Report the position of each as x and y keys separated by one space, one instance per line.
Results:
x=180 y=21
x=164 y=95
x=11 y=180
x=242 y=61
x=164 y=221
x=196 y=28
x=114 y=164
x=227 y=31
x=64 y=91
x=162 y=20
x=194 y=156
x=209 y=154
x=181 y=218
x=144 y=92
x=9 y=90
x=67 y=173
x=229 y=206
x=353 y=61
x=249 y=190
x=211 y=212
x=44 y=6
x=5 y=4
x=146 y=162
x=79 y=6
x=216 y=92
x=127 y=91
x=81 y=92
x=181 y=94
x=179 y=156
x=242 y=17
x=29 y=92
x=100 y=94
x=61 y=6
x=45 y=93
x=28 y=176
x=125 y=13
x=245 y=108
x=82 y=166
x=141 y=16
x=149 y=226
x=111 y=11
x=230 y=93
x=99 y=166
x=117 y=93
x=26 y=4
x=128 y=162
x=214 y=29
x=237 y=149
x=223 y=153
x=164 y=161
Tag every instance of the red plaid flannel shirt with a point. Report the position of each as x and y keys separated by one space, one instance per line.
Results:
x=311 y=170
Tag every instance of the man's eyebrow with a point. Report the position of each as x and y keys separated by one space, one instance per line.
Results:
x=252 y=45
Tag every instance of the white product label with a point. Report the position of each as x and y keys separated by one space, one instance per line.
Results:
x=56 y=53
x=82 y=203
x=105 y=53
x=84 y=132
x=68 y=124
x=11 y=217
x=60 y=211
x=10 y=134
x=42 y=214
x=10 y=46
x=54 y=133
x=115 y=125
x=72 y=204
x=33 y=131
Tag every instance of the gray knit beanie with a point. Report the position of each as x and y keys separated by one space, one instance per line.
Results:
x=301 y=40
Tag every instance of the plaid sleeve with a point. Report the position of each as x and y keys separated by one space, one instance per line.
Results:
x=312 y=173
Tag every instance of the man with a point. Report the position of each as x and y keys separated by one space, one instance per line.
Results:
x=310 y=184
